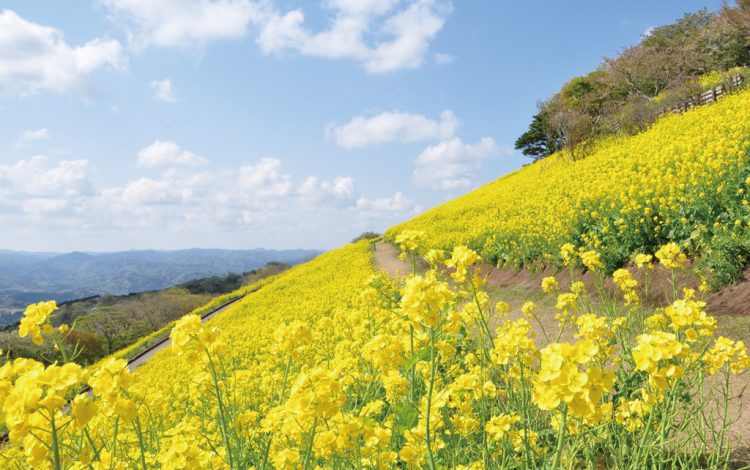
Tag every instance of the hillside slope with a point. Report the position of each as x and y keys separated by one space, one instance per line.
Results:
x=333 y=364
x=682 y=180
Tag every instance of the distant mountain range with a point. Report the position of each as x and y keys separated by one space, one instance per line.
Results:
x=30 y=277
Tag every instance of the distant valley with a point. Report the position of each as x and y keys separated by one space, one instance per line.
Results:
x=30 y=277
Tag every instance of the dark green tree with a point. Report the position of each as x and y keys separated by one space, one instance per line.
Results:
x=536 y=142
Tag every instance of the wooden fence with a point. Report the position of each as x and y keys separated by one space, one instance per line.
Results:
x=710 y=96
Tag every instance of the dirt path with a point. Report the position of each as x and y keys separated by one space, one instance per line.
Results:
x=386 y=258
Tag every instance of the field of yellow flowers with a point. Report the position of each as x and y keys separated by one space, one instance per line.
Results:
x=683 y=180
x=333 y=365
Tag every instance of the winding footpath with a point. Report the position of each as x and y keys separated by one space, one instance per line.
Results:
x=386 y=259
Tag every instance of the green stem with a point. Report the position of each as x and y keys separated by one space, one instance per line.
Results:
x=430 y=457
x=222 y=414
x=484 y=323
x=411 y=369
x=544 y=331
x=562 y=328
x=308 y=453
x=526 y=419
x=561 y=437
x=61 y=347
x=646 y=432
x=725 y=410
x=279 y=400
x=114 y=437
x=139 y=433
x=55 y=444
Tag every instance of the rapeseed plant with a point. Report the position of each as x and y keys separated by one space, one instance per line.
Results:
x=353 y=370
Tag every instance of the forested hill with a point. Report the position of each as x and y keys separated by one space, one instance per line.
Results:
x=30 y=277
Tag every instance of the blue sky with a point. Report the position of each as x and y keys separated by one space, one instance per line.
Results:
x=167 y=124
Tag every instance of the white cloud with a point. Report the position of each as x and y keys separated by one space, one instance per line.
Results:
x=340 y=191
x=394 y=126
x=183 y=23
x=383 y=35
x=150 y=191
x=38 y=189
x=35 y=58
x=257 y=201
x=398 y=204
x=412 y=30
x=401 y=36
x=265 y=178
x=36 y=178
x=163 y=90
x=167 y=154
x=29 y=137
x=452 y=164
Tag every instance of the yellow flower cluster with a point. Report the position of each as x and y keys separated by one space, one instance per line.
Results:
x=690 y=313
x=564 y=378
x=192 y=338
x=35 y=321
x=423 y=298
x=671 y=256
x=654 y=352
x=32 y=398
x=727 y=351
x=624 y=280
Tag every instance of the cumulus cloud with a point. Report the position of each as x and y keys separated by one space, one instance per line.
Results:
x=31 y=136
x=38 y=188
x=265 y=178
x=448 y=164
x=402 y=36
x=392 y=126
x=44 y=194
x=452 y=164
x=163 y=90
x=340 y=191
x=382 y=35
x=37 y=178
x=388 y=206
x=167 y=154
x=35 y=58
x=183 y=23
x=151 y=191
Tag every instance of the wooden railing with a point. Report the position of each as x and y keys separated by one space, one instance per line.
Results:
x=710 y=96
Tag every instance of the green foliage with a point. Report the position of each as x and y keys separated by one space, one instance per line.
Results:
x=627 y=93
x=537 y=141
x=214 y=284
x=105 y=324
x=367 y=236
x=684 y=32
x=727 y=258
